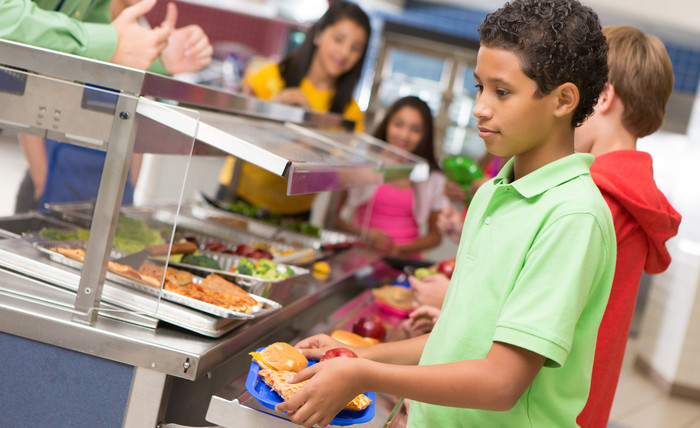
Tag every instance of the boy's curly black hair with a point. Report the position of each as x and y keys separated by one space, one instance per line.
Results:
x=558 y=41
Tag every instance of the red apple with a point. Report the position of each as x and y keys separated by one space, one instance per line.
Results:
x=370 y=326
x=446 y=267
x=338 y=352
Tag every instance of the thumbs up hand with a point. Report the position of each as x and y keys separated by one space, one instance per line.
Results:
x=137 y=46
x=188 y=47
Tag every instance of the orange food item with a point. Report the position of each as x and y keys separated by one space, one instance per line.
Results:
x=72 y=253
x=215 y=285
x=213 y=290
x=277 y=380
x=395 y=295
x=280 y=356
x=217 y=291
x=123 y=270
x=351 y=339
x=176 y=276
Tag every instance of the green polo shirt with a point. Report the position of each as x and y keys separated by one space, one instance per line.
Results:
x=534 y=269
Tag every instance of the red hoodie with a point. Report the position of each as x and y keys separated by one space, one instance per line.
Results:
x=644 y=220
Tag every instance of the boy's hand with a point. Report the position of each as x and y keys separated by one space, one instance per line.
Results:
x=138 y=47
x=450 y=223
x=188 y=47
x=315 y=346
x=429 y=290
x=422 y=320
x=332 y=385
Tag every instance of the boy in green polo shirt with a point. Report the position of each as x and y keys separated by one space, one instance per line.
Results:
x=514 y=344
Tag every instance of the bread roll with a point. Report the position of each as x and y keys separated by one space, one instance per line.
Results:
x=351 y=339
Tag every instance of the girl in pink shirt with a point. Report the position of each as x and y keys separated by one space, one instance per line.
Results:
x=399 y=217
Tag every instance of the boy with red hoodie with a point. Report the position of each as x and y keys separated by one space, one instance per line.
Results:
x=631 y=106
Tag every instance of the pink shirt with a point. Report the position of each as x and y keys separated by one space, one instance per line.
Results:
x=391 y=211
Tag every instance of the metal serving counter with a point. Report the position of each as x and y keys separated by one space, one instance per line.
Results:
x=152 y=375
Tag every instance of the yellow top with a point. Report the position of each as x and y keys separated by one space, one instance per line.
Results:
x=263 y=188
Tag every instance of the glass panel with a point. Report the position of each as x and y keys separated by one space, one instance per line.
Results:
x=393 y=161
x=84 y=134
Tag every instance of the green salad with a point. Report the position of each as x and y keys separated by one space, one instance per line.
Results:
x=132 y=235
x=262 y=268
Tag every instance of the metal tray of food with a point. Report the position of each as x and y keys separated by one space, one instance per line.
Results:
x=17 y=225
x=266 y=307
x=208 y=231
x=253 y=284
x=20 y=255
x=325 y=236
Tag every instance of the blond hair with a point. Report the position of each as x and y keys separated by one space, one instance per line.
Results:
x=641 y=73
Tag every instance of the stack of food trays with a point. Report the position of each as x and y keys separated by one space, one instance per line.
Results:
x=241 y=306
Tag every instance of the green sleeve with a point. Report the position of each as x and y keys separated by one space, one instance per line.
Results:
x=158 y=67
x=24 y=22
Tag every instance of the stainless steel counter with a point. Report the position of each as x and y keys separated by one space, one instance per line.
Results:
x=175 y=372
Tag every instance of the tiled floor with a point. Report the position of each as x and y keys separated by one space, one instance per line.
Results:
x=639 y=403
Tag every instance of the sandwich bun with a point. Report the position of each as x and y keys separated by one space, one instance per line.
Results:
x=351 y=339
x=281 y=356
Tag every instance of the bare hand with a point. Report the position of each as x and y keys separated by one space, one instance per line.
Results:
x=292 y=96
x=332 y=385
x=454 y=192
x=430 y=290
x=315 y=346
x=188 y=47
x=422 y=320
x=138 y=47
x=380 y=241
x=450 y=223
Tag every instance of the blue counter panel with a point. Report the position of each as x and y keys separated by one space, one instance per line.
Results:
x=48 y=386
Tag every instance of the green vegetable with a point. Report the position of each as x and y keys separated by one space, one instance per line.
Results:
x=246 y=267
x=201 y=261
x=263 y=268
x=128 y=246
x=132 y=235
x=137 y=230
x=56 y=235
x=270 y=274
x=265 y=265
x=83 y=234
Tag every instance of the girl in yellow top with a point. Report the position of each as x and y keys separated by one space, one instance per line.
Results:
x=320 y=75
